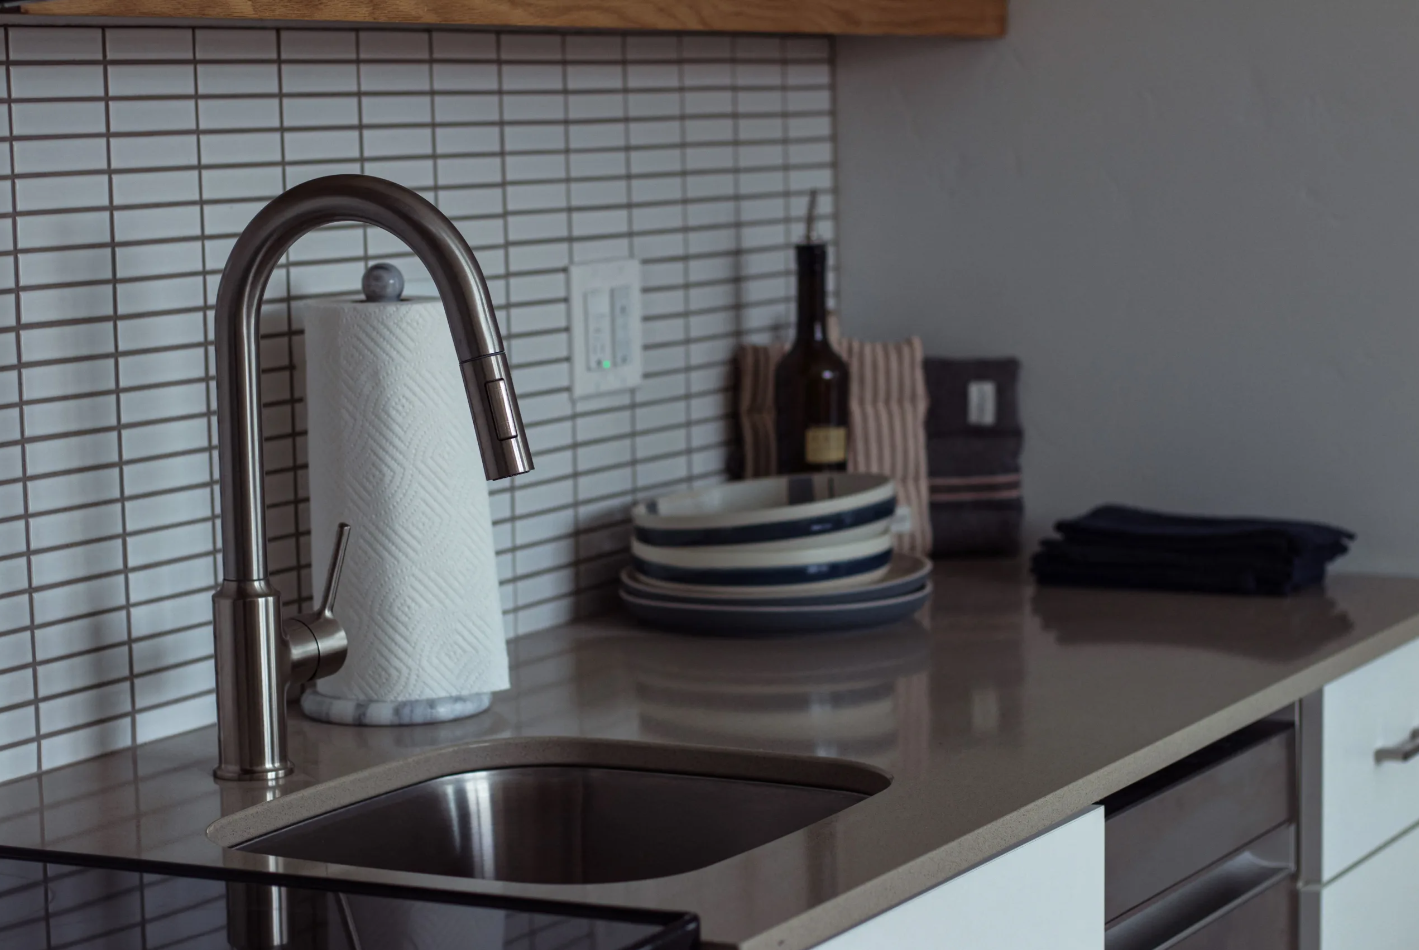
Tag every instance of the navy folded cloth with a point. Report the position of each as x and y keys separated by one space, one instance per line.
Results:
x=1117 y=546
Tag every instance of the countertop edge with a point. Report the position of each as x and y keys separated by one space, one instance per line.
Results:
x=841 y=914
x=1280 y=656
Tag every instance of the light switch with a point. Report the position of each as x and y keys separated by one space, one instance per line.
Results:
x=598 y=329
x=621 y=326
x=605 y=299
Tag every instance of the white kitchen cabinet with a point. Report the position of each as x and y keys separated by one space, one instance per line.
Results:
x=1045 y=893
x=1360 y=812
x=1372 y=906
x=1359 y=803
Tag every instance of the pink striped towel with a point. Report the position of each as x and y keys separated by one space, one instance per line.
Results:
x=887 y=406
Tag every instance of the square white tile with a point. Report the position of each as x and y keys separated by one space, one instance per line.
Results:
x=58 y=118
x=132 y=79
x=394 y=44
x=237 y=78
x=149 y=43
x=55 y=43
x=318 y=44
x=461 y=45
x=235 y=43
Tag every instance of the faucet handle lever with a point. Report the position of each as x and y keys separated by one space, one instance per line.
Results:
x=317 y=640
x=326 y=607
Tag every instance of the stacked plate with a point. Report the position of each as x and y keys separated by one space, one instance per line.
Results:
x=791 y=554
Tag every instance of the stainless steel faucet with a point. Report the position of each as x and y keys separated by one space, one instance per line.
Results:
x=257 y=655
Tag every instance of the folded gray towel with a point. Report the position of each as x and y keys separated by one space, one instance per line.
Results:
x=973 y=456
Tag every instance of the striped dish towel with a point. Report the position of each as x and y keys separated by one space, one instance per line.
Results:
x=962 y=488
x=755 y=382
x=887 y=407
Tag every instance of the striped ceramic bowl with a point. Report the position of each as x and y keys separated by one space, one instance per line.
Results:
x=758 y=565
x=784 y=508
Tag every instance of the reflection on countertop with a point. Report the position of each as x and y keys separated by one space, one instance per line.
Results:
x=999 y=712
x=853 y=695
x=49 y=906
x=1266 y=628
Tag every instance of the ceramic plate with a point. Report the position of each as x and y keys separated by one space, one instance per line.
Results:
x=767 y=590
x=734 y=620
x=866 y=532
x=766 y=509
x=739 y=557
x=858 y=568
x=906 y=573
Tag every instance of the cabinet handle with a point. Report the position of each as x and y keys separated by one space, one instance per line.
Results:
x=1403 y=752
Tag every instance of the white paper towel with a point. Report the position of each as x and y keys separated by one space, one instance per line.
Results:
x=393 y=451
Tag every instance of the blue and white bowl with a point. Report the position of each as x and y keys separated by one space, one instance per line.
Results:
x=757 y=565
x=781 y=508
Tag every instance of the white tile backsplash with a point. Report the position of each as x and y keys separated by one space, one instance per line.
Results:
x=137 y=156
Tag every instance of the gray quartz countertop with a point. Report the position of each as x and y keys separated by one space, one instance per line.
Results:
x=1000 y=712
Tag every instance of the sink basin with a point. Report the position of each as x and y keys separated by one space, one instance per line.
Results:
x=561 y=811
x=557 y=824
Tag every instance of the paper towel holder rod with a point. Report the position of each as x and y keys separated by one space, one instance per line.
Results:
x=255 y=656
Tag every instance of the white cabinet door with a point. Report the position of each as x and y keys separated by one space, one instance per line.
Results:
x=1374 y=905
x=1046 y=894
x=1363 y=803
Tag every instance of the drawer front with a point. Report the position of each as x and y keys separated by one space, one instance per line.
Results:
x=1373 y=906
x=1364 y=803
x=1208 y=806
x=1266 y=922
x=1246 y=901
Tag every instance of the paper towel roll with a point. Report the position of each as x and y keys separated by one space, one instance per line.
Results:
x=393 y=451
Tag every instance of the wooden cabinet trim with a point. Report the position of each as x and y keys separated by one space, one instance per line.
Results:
x=978 y=18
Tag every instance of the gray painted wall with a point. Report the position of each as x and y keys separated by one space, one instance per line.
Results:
x=1197 y=223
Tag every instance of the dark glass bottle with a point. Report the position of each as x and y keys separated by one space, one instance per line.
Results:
x=811 y=381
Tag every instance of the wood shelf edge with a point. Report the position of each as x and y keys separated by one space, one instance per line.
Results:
x=966 y=18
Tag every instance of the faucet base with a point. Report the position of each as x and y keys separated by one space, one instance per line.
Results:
x=224 y=774
x=253 y=659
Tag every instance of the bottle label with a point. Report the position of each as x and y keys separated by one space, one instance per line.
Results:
x=825 y=445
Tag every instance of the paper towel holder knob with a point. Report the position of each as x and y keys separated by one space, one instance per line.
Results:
x=318 y=641
x=382 y=283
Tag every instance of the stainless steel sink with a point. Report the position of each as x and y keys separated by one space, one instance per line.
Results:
x=590 y=812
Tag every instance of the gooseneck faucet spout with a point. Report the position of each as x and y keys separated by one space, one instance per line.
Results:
x=256 y=654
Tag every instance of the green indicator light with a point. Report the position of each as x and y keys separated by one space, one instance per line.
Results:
x=605 y=364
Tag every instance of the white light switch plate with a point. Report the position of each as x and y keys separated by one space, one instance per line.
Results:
x=606 y=326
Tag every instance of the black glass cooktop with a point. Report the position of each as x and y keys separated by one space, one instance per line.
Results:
x=53 y=906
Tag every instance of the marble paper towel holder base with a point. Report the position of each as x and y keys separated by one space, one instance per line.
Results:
x=378 y=712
